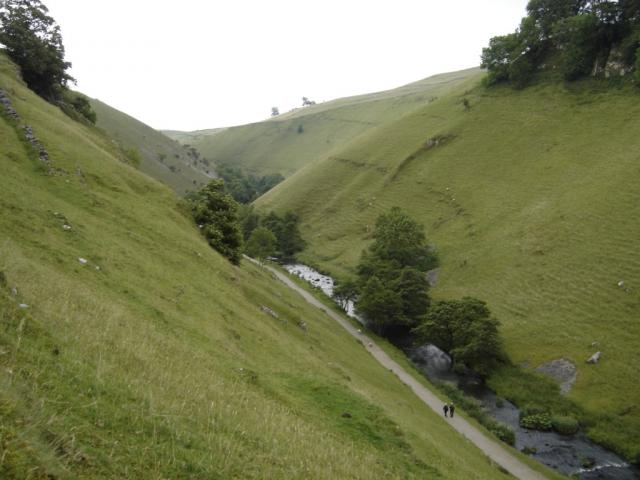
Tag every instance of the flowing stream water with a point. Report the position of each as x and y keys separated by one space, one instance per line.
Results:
x=566 y=454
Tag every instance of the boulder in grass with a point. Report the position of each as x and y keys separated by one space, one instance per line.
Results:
x=595 y=358
x=268 y=311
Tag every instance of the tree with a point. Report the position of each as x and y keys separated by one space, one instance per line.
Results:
x=262 y=243
x=246 y=188
x=578 y=38
x=412 y=287
x=546 y=13
x=380 y=305
x=571 y=34
x=275 y=111
x=249 y=220
x=345 y=292
x=465 y=330
x=34 y=43
x=400 y=239
x=497 y=57
x=287 y=232
x=306 y=102
x=397 y=260
x=215 y=212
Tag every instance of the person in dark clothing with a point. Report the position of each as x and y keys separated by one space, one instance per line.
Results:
x=445 y=409
x=452 y=408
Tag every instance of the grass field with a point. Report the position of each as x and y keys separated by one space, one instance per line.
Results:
x=288 y=142
x=531 y=199
x=154 y=358
x=162 y=158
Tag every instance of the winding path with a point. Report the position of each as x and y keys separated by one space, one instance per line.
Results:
x=490 y=447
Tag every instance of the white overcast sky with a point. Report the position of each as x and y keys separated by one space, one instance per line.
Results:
x=196 y=64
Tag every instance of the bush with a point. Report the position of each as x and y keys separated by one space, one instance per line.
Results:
x=134 y=157
x=565 y=425
x=503 y=432
x=538 y=421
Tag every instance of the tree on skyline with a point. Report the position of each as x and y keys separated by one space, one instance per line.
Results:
x=34 y=42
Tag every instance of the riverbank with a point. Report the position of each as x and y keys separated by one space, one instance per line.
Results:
x=570 y=455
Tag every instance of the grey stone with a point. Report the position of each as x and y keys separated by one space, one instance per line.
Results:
x=268 y=311
x=562 y=371
x=432 y=276
x=595 y=358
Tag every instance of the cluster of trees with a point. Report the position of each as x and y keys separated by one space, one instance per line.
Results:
x=271 y=235
x=246 y=188
x=33 y=41
x=392 y=294
x=232 y=229
x=575 y=36
x=393 y=288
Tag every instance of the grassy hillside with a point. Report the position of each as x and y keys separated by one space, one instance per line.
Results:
x=162 y=157
x=190 y=138
x=531 y=199
x=289 y=141
x=153 y=357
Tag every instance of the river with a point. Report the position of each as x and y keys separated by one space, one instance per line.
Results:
x=566 y=454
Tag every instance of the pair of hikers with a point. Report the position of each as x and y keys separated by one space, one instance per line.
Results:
x=450 y=409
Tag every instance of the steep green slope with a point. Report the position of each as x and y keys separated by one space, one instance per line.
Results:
x=531 y=199
x=286 y=143
x=162 y=157
x=129 y=349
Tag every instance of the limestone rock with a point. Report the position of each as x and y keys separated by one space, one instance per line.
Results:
x=268 y=311
x=595 y=358
x=562 y=371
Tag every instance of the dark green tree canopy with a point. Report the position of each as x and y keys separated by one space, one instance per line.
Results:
x=392 y=270
x=465 y=330
x=400 y=239
x=34 y=43
x=381 y=305
x=576 y=37
x=246 y=188
x=215 y=213
x=287 y=232
x=285 y=228
x=262 y=243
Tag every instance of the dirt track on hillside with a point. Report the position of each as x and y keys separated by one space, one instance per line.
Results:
x=493 y=449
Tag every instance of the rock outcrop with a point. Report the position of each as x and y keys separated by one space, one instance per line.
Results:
x=595 y=358
x=7 y=108
x=562 y=371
